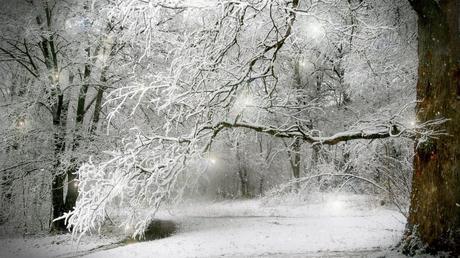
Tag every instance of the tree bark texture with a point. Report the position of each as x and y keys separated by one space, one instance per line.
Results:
x=435 y=199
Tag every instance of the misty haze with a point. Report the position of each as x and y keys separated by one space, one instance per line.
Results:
x=229 y=128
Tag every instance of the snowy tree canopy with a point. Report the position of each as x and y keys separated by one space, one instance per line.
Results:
x=126 y=104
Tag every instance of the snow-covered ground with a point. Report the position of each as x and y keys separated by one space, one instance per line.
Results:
x=50 y=246
x=330 y=225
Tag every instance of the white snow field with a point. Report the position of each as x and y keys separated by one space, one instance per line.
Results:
x=329 y=226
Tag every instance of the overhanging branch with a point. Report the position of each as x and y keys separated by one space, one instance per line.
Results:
x=380 y=132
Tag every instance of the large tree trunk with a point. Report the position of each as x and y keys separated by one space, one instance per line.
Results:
x=59 y=113
x=57 y=187
x=435 y=200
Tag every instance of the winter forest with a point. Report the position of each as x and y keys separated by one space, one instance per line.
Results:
x=239 y=128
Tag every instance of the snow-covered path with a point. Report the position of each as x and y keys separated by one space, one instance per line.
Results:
x=344 y=226
x=254 y=236
x=248 y=228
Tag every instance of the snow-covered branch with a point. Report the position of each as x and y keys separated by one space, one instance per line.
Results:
x=389 y=129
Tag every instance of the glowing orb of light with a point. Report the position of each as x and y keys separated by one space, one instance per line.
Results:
x=245 y=101
x=212 y=161
x=21 y=123
x=315 y=29
x=335 y=205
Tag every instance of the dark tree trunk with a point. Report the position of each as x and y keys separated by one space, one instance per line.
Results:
x=58 y=202
x=265 y=167
x=244 y=180
x=59 y=112
x=98 y=104
x=72 y=186
x=295 y=156
x=242 y=173
x=57 y=190
x=435 y=200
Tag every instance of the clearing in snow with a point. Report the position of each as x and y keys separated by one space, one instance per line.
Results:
x=330 y=225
